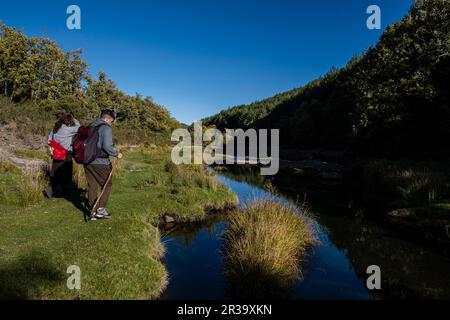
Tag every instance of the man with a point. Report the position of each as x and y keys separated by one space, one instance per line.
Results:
x=97 y=172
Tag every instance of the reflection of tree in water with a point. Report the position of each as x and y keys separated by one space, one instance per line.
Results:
x=407 y=270
x=244 y=173
x=187 y=232
x=326 y=198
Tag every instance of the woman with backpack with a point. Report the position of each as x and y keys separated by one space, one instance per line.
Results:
x=60 y=142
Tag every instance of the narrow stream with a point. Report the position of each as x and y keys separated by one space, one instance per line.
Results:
x=335 y=269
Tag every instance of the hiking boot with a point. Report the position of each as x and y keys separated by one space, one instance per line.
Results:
x=102 y=214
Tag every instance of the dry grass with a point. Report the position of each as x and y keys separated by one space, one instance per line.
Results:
x=417 y=186
x=79 y=177
x=190 y=175
x=30 y=186
x=265 y=243
x=118 y=165
x=421 y=185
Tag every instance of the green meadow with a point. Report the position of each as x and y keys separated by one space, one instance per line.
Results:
x=118 y=258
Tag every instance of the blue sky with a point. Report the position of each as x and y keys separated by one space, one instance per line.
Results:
x=197 y=57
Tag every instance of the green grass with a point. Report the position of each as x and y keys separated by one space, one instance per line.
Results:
x=32 y=154
x=119 y=258
x=9 y=167
x=265 y=244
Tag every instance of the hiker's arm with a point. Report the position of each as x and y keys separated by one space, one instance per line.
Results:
x=107 y=143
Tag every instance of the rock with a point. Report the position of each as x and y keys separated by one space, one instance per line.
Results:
x=331 y=176
x=28 y=163
x=168 y=219
x=400 y=213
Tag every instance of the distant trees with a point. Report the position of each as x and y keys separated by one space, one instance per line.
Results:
x=37 y=70
x=393 y=100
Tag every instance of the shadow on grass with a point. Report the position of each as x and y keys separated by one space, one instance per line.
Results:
x=29 y=274
x=77 y=197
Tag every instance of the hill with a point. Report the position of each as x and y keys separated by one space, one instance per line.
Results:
x=393 y=100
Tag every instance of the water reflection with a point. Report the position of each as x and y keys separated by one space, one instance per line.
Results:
x=336 y=269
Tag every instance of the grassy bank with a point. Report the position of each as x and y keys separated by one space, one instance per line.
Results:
x=118 y=258
x=265 y=244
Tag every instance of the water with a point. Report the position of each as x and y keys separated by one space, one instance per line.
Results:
x=335 y=269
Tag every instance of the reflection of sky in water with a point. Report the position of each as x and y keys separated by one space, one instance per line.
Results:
x=196 y=268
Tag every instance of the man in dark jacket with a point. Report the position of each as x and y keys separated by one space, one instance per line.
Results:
x=97 y=171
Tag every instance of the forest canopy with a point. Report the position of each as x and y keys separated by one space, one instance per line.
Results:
x=392 y=100
x=37 y=75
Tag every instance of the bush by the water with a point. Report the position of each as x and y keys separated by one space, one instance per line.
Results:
x=265 y=244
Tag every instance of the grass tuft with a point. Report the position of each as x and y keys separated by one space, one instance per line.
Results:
x=30 y=186
x=416 y=186
x=9 y=167
x=264 y=245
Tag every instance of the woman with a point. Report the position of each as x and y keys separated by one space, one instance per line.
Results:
x=60 y=142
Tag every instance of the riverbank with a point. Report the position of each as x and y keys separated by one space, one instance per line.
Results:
x=118 y=258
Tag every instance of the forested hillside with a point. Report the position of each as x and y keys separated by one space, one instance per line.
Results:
x=392 y=101
x=39 y=81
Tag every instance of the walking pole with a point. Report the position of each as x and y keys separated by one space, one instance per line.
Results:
x=94 y=207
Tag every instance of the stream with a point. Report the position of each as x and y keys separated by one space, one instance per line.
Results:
x=334 y=269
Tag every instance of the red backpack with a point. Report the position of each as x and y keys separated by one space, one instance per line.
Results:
x=85 y=144
x=58 y=151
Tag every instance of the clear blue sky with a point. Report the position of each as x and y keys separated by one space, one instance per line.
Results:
x=198 y=57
